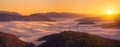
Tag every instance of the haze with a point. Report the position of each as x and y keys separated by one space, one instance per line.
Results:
x=75 y=6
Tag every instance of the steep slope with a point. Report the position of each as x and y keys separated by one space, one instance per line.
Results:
x=9 y=40
x=77 y=39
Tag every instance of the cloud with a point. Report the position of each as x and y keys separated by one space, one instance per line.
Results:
x=31 y=31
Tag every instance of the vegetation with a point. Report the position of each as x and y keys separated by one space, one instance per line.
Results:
x=77 y=39
x=9 y=40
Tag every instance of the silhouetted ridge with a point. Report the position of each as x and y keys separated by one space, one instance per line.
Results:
x=9 y=16
x=38 y=17
x=77 y=39
x=50 y=16
x=9 y=40
x=86 y=21
x=12 y=16
x=64 y=15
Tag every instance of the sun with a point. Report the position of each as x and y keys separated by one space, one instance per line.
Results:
x=109 y=15
x=109 y=12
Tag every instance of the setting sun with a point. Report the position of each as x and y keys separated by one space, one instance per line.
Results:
x=109 y=12
x=110 y=15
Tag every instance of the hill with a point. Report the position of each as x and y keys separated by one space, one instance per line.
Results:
x=9 y=40
x=77 y=39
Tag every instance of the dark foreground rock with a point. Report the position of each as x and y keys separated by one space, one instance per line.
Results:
x=77 y=39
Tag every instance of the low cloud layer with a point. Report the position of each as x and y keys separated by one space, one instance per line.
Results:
x=31 y=31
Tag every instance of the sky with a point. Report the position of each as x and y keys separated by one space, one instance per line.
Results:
x=74 y=6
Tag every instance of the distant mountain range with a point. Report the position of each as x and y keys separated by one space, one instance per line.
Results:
x=50 y=16
x=12 y=16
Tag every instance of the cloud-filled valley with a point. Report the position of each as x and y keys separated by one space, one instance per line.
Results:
x=31 y=31
x=35 y=26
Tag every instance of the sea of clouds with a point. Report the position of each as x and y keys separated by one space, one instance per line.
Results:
x=30 y=31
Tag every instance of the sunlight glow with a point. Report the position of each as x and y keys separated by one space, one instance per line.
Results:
x=109 y=12
x=110 y=15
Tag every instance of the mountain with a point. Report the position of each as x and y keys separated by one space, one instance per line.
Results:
x=9 y=40
x=86 y=20
x=12 y=16
x=50 y=16
x=63 y=15
x=37 y=17
x=77 y=39
x=9 y=16
x=60 y=15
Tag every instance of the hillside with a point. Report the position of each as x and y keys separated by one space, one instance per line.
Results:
x=77 y=39
x=9 y=40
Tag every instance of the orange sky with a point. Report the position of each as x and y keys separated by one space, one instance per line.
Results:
x=75 y=6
